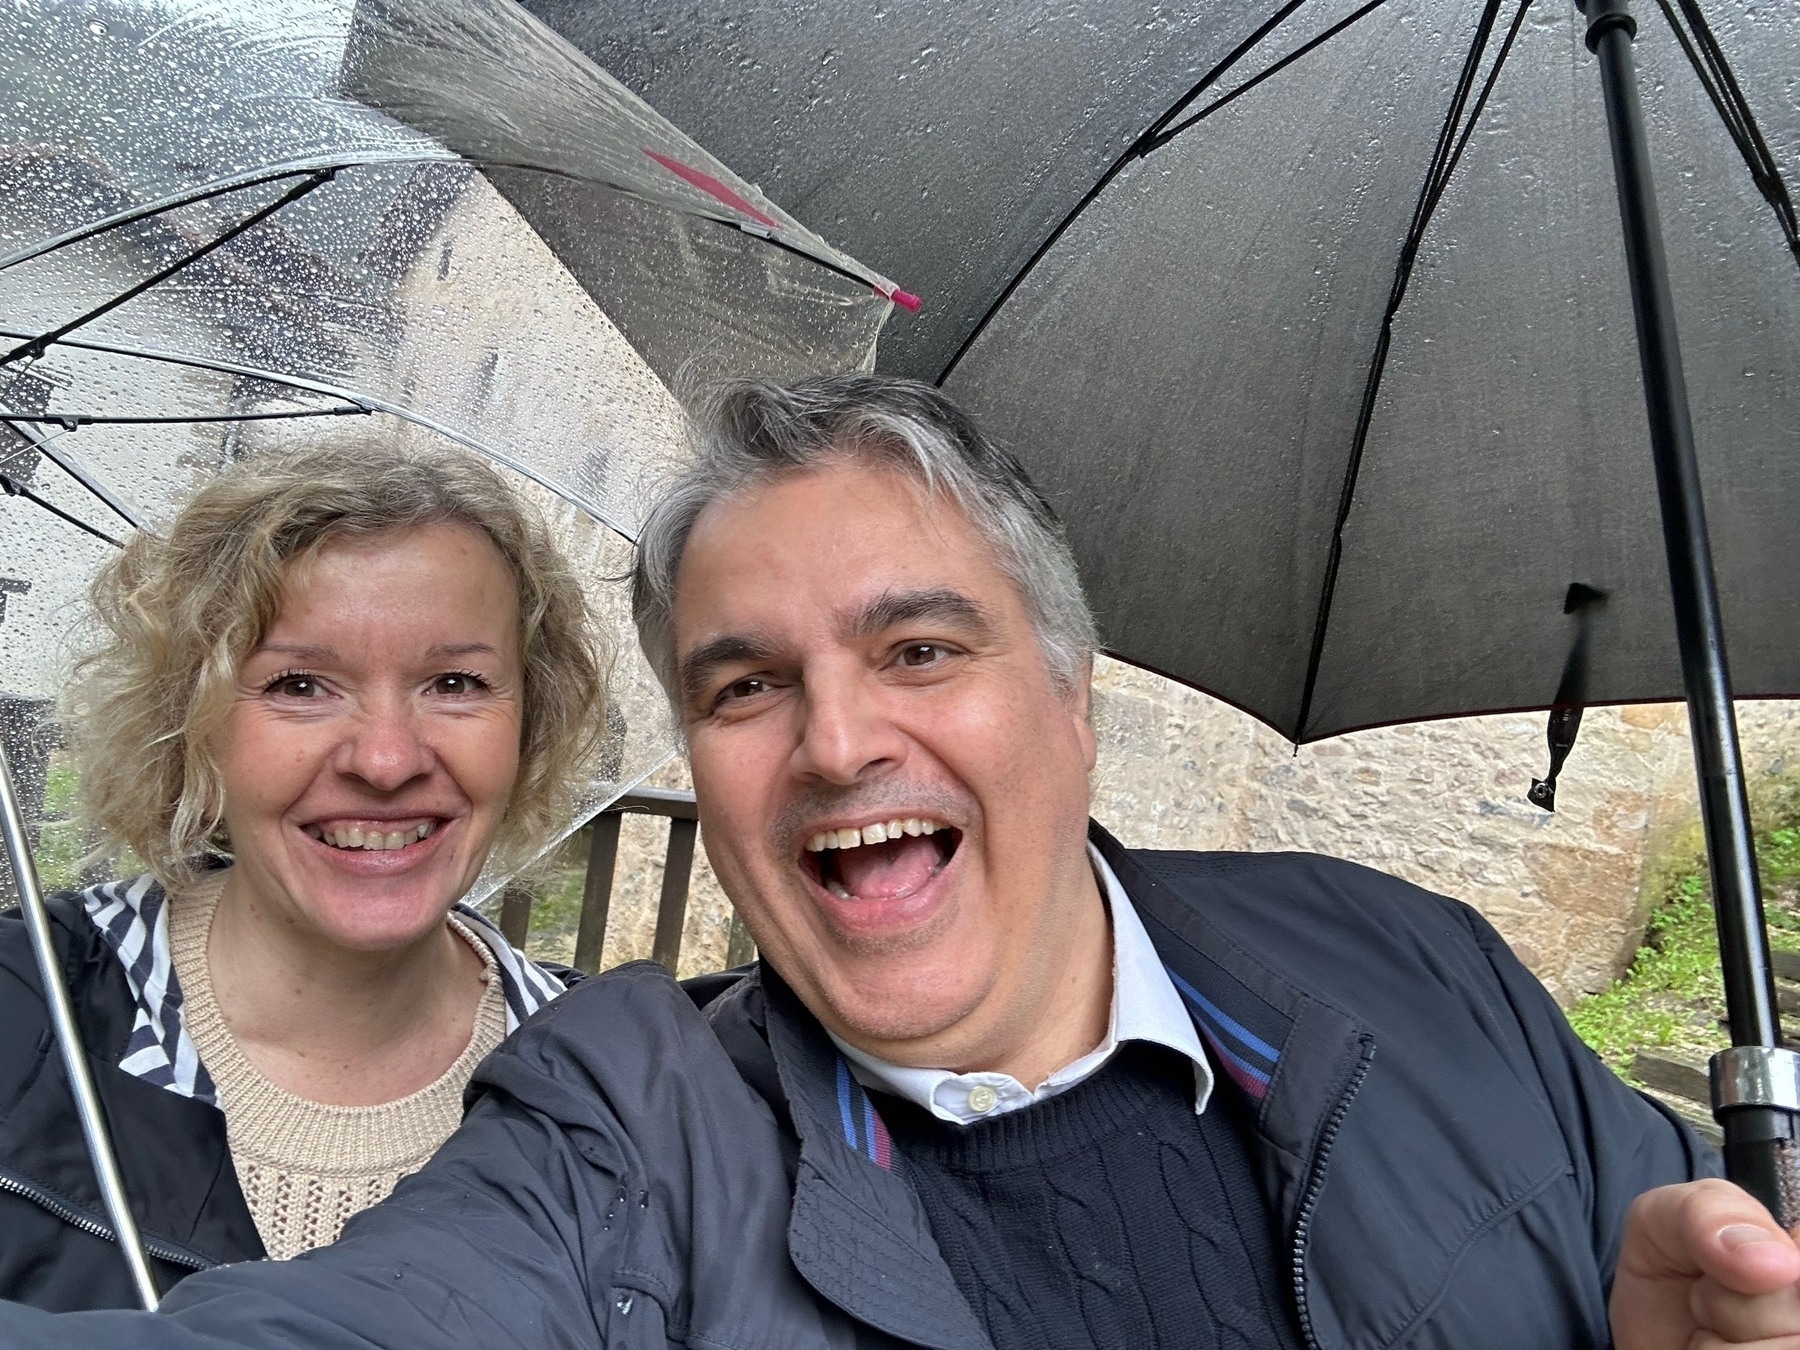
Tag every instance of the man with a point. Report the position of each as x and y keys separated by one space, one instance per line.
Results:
x=998 y=1081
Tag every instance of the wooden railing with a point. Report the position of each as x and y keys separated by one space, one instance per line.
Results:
x=597 y=888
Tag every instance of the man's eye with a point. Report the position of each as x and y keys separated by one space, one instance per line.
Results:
x=749 y=687
x=457 y=682
x=917 y=654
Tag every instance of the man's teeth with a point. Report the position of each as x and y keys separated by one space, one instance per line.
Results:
x=372 y=840
x=878 y=833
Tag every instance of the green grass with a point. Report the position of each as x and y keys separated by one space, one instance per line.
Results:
x=59 y=845
x=1672 y=997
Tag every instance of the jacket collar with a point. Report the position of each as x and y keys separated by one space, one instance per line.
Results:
x=852 y=1213
x=1292 y=1056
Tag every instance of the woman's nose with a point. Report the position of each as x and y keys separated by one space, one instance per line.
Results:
x=386 y=748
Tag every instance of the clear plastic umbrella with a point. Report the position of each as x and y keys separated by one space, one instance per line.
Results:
x=225 y=226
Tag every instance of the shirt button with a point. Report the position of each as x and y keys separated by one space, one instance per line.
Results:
x=982 y=1099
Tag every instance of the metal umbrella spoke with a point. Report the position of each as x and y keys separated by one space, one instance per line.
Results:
x=36 y=346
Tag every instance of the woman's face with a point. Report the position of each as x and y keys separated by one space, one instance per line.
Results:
x=373 y=740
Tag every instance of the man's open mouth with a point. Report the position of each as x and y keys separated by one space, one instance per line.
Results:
x=887 y=860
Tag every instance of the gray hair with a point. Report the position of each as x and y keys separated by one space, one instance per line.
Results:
x=750 y=432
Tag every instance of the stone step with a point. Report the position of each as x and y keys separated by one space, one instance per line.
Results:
x=1674 y=1075
x=1679 y=1083
x=1693 y=1113
x=1786 y=964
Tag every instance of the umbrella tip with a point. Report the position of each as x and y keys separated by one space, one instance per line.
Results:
x=905 y=299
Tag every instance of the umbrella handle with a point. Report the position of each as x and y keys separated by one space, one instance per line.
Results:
x=1756 y=1096
x=1754 y=1083
x=68 y=1038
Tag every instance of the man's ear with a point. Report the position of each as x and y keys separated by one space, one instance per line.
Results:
x=1081 y=706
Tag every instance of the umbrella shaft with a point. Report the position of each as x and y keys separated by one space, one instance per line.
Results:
x=68 y=1038
x=1724 y=804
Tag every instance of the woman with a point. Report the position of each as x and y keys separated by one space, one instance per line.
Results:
x=344 y=679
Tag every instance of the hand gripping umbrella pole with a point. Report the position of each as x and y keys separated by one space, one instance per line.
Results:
x=68 y=1038
x=1756 y=1083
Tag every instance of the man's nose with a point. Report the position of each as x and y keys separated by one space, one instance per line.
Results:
x=846 y=733
x=386 y=747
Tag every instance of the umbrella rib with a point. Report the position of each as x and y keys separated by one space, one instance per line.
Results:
x=1212 y=76
x=13 y=488
x=35 y=347
x=72 y=465
x=178 y=200
x=1708 y=59
x=1162 y=138
x=576 y=499
x=1444 y=159
x=72 y=421
x=1152 y=138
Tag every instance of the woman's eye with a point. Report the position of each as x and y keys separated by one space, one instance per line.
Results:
x=457 y=682
x=917 y=654
x=293 y=686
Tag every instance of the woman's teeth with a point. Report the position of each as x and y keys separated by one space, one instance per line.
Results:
x=371 y=840
x=878 y=833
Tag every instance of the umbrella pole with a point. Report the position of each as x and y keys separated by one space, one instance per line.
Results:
x=68 y=1038
x=1756 y=1084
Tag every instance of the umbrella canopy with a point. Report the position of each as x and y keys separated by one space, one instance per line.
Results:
x=1312 y=318
x=226 y=227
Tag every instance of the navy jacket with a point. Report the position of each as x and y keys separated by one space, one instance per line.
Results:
x=1451 y=1166
x=56 y=1245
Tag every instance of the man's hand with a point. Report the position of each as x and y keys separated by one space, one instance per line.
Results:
x=1703 y=1267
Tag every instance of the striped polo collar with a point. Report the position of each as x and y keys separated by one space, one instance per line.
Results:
x=133 y=918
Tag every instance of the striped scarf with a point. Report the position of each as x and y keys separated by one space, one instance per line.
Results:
x=133 y=917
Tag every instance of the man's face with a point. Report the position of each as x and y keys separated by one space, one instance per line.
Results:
x=852 y=657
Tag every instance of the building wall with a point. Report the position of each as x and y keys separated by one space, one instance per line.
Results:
x=1441 y=804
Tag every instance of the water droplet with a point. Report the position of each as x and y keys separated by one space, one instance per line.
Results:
x=97 y=28
x=623 y=1304
x=643 y=1199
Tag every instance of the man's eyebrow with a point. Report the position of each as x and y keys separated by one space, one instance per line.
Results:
x=698 y=665
x=938 y=605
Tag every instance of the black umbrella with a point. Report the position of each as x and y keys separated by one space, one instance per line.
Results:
x=1314 y=320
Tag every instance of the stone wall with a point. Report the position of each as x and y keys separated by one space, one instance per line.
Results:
x=1439 y=803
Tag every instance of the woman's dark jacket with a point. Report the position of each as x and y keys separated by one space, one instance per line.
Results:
x=1449 y=1166
x=56 y=1248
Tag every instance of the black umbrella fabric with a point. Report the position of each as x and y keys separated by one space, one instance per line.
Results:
x=1319 y=337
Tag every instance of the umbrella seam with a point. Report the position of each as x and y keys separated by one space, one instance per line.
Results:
x=569 y=495
x=1445 y=157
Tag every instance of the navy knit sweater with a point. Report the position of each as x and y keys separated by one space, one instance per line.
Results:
x=1108 y=1216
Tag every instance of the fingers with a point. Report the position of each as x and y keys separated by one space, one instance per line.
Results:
x=1711 y=1229
x=1737 y=1319
x=1707 y=1341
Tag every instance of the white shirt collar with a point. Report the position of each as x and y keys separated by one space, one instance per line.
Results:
x=1145 y=1007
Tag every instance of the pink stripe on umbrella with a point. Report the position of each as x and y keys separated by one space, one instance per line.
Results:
x=712 y=187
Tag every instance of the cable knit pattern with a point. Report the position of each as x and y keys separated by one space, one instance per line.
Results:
x=306 y=1168
x=1111 y=1215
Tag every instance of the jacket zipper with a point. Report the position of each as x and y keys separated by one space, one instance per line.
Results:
x=1316 y=1184
x=75 y=1219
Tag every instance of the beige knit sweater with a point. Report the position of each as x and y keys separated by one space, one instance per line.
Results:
x=306 y=1168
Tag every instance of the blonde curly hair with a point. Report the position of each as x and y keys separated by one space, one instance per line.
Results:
x=181 y=612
